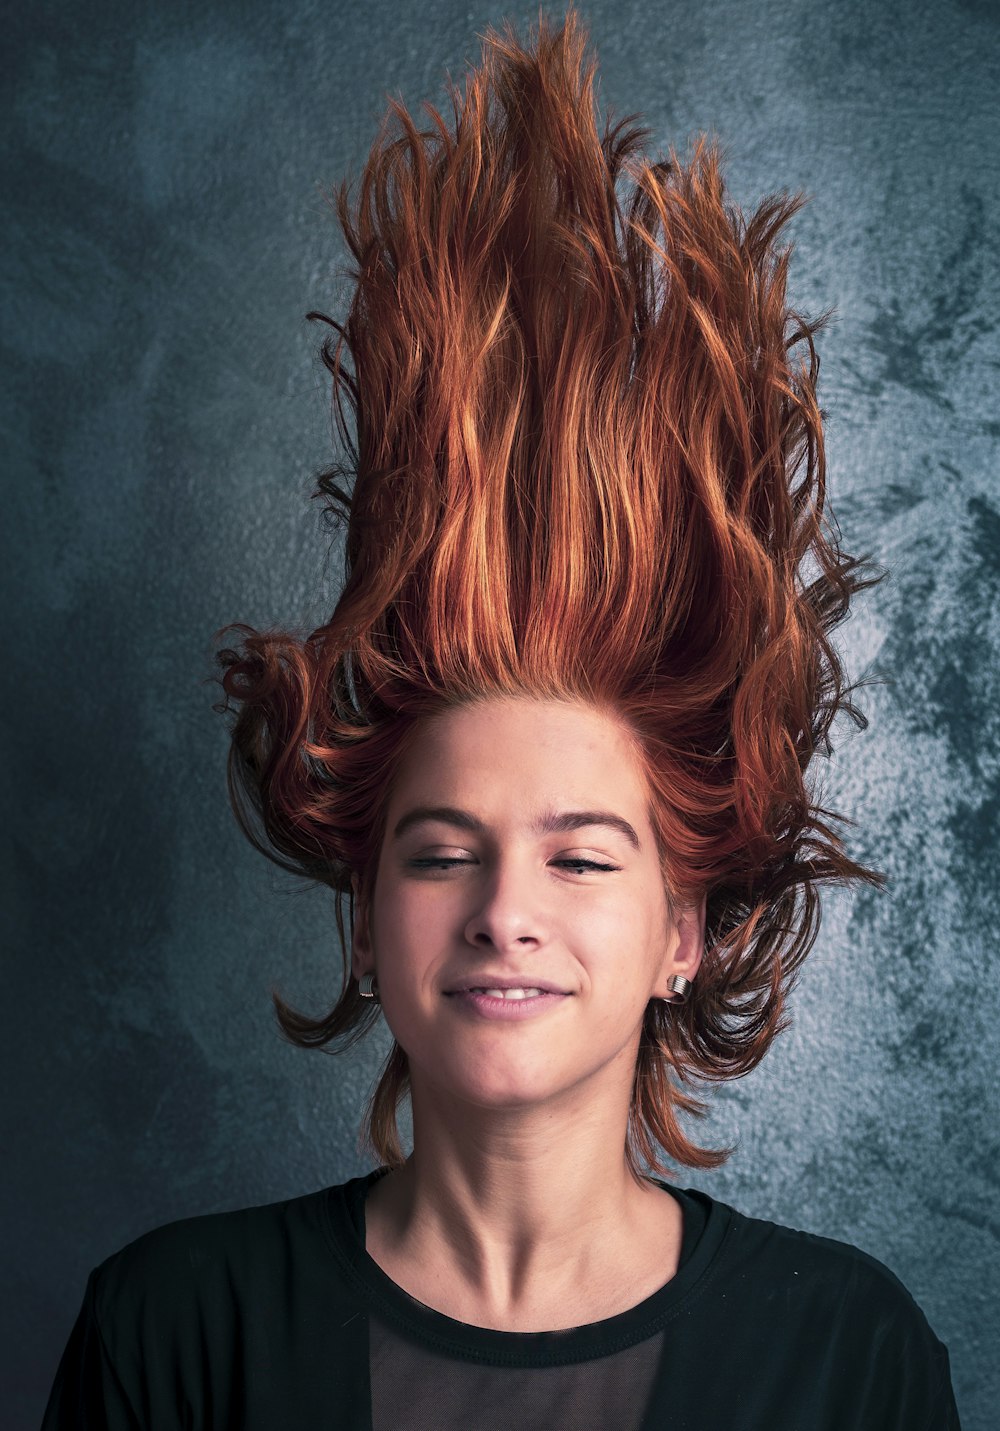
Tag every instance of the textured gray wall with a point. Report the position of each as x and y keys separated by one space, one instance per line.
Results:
x=164 y=412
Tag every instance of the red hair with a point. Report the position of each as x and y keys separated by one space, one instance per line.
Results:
x=589 y=465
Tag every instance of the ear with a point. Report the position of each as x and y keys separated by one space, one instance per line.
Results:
x=685 y=947
x=361 y=952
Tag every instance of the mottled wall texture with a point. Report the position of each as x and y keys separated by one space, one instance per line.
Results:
x=164 y=413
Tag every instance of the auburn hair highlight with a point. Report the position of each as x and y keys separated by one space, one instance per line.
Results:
x=587 y=464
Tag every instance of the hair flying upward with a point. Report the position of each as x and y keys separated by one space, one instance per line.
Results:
x=589 y=464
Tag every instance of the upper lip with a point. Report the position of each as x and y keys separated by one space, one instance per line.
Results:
x=503 y=981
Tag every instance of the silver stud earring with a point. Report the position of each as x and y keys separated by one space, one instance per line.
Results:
x=367 y=987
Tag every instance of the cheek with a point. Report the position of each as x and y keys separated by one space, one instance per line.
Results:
x=412 y=936
x=416 y=917
x=622 y=929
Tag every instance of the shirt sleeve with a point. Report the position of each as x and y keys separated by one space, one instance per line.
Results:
x=87 y=1394
x=910 y=1379
x=944 y=1417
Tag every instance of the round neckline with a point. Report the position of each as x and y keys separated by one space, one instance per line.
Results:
x=345 y=1209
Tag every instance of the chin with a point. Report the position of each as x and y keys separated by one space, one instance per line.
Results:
x=497 y=1084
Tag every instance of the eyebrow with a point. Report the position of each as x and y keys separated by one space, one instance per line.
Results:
x=551 y=822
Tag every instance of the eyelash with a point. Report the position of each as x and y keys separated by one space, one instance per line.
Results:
x=445 y=862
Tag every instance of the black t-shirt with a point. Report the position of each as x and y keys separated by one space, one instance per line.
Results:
x=275 y=1318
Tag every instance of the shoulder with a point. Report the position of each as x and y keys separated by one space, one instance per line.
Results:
x=197 y=1320
x=175 y=1275
x=790 y=1252
x=824 y=1282
x=827 y=1327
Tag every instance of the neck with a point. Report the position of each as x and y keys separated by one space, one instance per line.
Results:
x=505 y=1211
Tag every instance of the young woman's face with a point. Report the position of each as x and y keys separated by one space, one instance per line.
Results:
x=526 y=875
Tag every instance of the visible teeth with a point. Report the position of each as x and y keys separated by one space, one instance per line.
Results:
x=509 y=993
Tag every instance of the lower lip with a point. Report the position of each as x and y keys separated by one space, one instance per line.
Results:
x=488 y=1007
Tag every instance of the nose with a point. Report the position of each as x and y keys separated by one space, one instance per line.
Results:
x=508 y=913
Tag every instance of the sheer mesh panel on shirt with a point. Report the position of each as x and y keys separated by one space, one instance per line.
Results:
x=417 y=1389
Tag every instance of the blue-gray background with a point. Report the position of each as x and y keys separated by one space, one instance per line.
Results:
x=164 y=413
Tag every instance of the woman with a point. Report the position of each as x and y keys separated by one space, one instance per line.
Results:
x=552 y=743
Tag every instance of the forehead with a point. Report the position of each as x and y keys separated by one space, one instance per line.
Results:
x=522 y=750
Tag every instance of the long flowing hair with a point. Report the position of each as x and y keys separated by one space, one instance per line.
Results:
x=587 y=464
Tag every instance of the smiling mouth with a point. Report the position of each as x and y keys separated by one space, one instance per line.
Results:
x=526 y=993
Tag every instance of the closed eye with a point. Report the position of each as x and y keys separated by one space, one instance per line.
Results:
x=437 y=862
x=586 y=865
